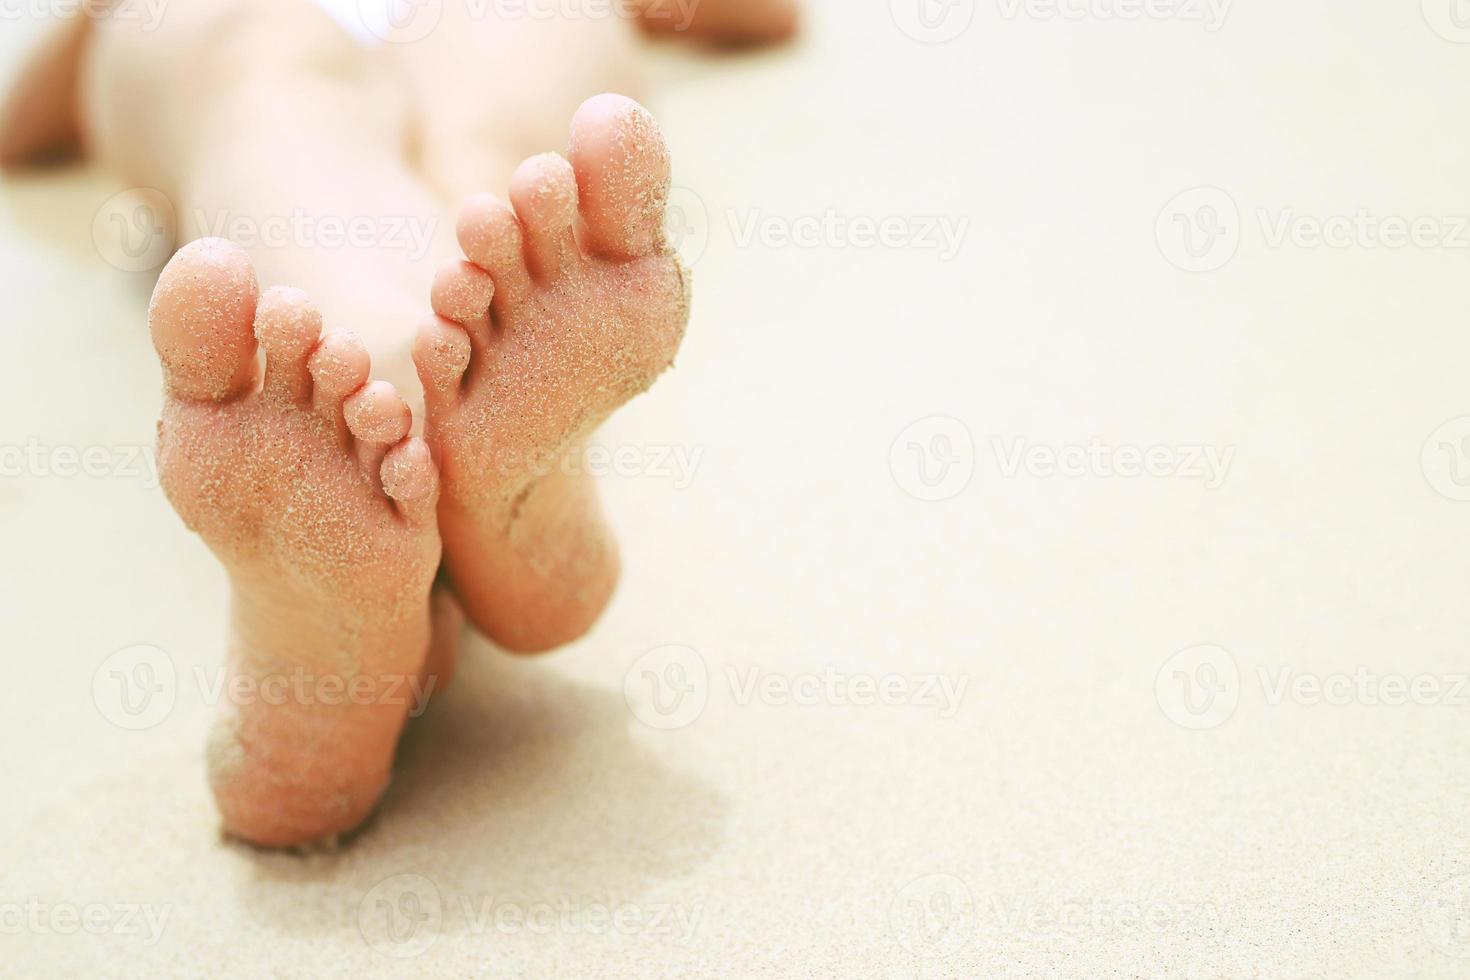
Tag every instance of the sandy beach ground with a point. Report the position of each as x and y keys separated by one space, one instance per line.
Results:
x=1047 y=559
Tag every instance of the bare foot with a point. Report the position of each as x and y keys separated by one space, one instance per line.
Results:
x=722 y=21
x=539 y=337
x=322 y=510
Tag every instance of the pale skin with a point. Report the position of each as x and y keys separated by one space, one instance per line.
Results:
x=546 y=310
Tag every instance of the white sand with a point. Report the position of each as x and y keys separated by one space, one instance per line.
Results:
x=780 y=840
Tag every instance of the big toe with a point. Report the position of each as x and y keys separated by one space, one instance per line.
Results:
x=202 y=319
x=622 y=168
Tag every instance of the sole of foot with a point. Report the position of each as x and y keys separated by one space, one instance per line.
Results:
x=569 y=303
x=304 y=482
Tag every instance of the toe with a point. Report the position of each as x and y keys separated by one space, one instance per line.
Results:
x=441 y=352
x=201 y=316
x=490 y=236
x=288 y=327
x=622 y=168
x=411 y=479
x=376 y=413
x=339 y=366
x=544 y=193
x=462 y=293
x=377 y=417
